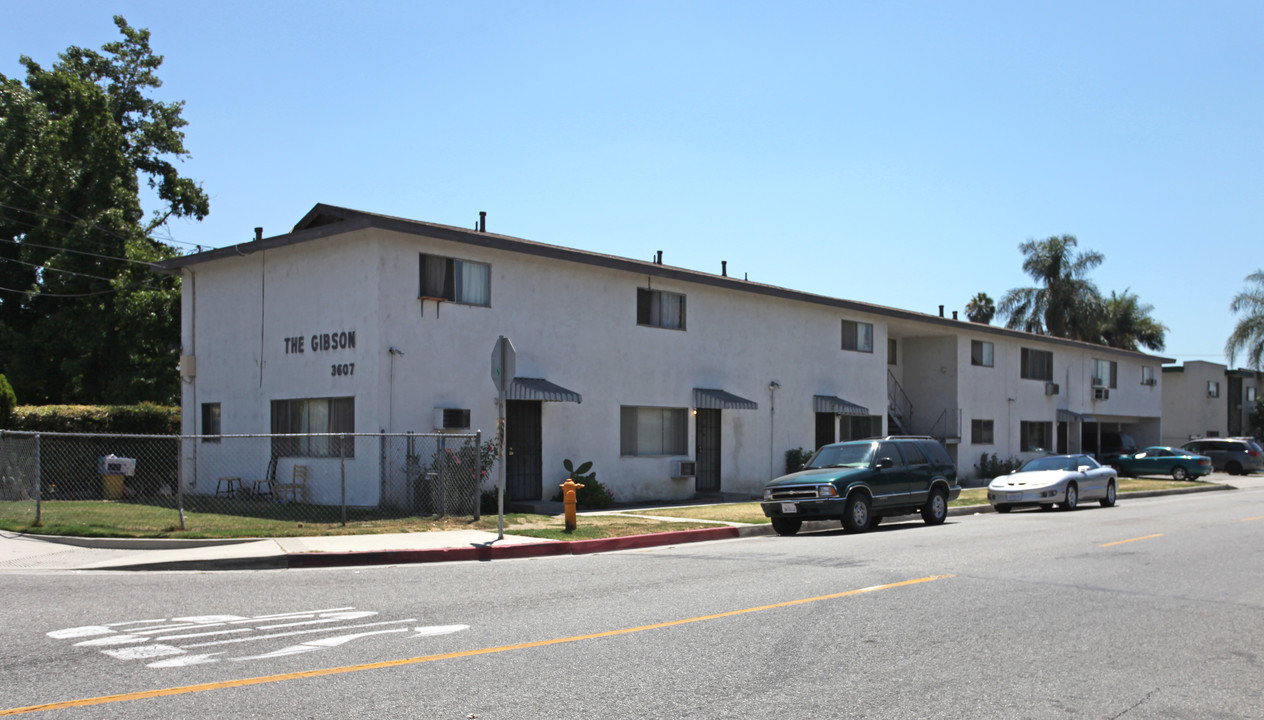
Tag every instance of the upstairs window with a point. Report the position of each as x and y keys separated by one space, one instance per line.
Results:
x=1147 y=375
x=981 y=432
x=1105 y=373
x=1213 y=389
x=461 y=281
x=1037 y=365
x=659 y=308
x=857 y=336
x=981 y=353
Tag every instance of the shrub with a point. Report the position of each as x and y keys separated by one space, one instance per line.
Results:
x=796 y=458
x=593 y=494
x=990 y=466
x=8 y=401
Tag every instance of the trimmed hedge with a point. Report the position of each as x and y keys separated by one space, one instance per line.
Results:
x=111 y=419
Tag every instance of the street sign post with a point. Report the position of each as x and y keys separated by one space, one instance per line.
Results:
x=504 y=360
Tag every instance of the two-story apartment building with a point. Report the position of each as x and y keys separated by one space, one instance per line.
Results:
x=372 y=323
x=1206 y=399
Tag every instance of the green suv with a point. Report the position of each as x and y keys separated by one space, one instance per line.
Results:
x=863 y=481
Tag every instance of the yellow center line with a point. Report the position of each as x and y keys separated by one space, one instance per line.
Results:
x=1254 y=518
x=1121 y=542
x=243 y=682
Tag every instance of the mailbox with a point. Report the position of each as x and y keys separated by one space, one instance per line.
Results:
x=111 y=465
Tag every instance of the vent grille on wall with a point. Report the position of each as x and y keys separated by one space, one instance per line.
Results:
x=451 y=419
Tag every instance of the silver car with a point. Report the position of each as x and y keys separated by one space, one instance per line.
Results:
x=1062 y=480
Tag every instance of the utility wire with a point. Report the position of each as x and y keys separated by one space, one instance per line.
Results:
x=53 y=269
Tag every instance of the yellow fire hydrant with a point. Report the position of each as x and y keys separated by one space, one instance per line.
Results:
x=568 y=499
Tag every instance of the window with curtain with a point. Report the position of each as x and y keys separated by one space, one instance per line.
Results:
x=462 y=281
x=317 y=416
x=653 y=431
x=659 y=308
x=1105 y=373
x=858 y=336
x=210 y=422
x=1035 y=436
x=982 y=353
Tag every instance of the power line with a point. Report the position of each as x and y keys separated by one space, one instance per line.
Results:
x=53 y=269
x=79 y=252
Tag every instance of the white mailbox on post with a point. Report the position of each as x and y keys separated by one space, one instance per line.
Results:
x=112 y=465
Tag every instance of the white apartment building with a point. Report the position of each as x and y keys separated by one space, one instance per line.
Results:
x=673 y=382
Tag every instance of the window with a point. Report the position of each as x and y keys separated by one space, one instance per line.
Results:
x=210 y=422
x=1250 y=394
x=460 y=281
x=316 y=415
x=892 y=348
x=1105 y=373
x=1035 y=436
x=857 y=336
x=981 y=353
x=913 y=454
x=652 y=431
x=1213 y=389
x=981 y=432
x=1147 y=375
x=658 y=308
x=1037 y=365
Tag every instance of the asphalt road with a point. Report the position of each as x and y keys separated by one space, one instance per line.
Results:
x=1151 y=609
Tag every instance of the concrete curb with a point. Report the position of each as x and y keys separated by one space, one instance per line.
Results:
x=488 y=552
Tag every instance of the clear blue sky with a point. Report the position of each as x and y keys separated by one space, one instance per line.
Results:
x=893 y=153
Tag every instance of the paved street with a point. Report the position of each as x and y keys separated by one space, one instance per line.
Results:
x=1154 y=608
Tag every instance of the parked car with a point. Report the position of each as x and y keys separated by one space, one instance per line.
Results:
x=1236 y=457
x=1161 y=460
x=862 y=481
x=1062 y=480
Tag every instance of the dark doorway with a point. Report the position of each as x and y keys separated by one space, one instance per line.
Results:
x=826 y=424
x=524 y=450
x=707 y=450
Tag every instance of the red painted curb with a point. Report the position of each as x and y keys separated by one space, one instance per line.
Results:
x=505 y=552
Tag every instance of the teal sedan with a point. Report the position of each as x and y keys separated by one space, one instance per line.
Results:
x=1162 y=460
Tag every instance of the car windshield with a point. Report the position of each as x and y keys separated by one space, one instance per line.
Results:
x=847 y=455
x=1049 y=463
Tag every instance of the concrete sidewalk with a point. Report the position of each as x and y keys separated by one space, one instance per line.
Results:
x=27 y=553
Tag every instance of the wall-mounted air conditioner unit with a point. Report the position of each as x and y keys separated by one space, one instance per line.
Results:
x=1101 y=393
x=1052 y=388
x=451 y=419
x=684 y=468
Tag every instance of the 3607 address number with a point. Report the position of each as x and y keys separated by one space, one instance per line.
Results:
x=342 y=369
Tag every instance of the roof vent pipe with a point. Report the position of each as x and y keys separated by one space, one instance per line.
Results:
x=724 y=268
x=659 y=258
x=954 y=314
x=482 y=221
x=258 y=234
x=941 y=311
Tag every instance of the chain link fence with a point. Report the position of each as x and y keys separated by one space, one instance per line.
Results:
x=235 y=483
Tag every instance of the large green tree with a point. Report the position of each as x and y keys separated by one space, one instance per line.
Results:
x=82 y=317
x=1125 y=322
x=1065 y=303
x=1248 y=333
x=981 y=309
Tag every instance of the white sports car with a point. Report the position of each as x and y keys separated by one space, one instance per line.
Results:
x=1064 y=480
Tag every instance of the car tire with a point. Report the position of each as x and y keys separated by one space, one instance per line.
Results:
x=786 y=526
x=874 y=520
x=1003 y=508
x=1072 y=500
x=1234 y=468
x=1109 y=500
x=856 y=514
x=1180 y=473
x=935 y=511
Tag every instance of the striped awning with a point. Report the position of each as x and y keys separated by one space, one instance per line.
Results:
x=708 y=399
x=523 y=388
x=837 y=405
x=1065 y=415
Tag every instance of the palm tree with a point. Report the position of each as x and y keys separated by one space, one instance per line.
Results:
x=1126 y=323
x=981 y=309
x=1248 y=334
x=1068 y=303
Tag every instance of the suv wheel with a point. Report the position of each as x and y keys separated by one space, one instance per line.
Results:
x=786 y=526
x=936 y=508
x=856 y=514
x=1234 y=468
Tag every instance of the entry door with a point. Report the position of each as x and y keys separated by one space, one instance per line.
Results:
x=524 y=450
x=825 y=425
x=707 y=450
